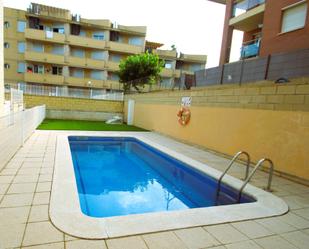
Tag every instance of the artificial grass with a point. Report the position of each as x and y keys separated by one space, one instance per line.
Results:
x=78 y=125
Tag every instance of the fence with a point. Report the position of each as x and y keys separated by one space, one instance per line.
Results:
x=283 y=65
x=16 y=128
x=71 y=92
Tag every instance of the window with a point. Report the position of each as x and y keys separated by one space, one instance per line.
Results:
x=35 y=69
x=82 y=33
x=38 y=47
x=21 y=47
x=96 y=74
x=168 y=64
x=21 y=67
x=57 y=70
x=294 y=17
x=6 y=45
x=78 y=53
x=98 y=55
x=99 y=35
x=115 y=57
x=22 y=86
x=78 y=73
x=6 y=65
x=21 y=26
x=6 y=24
x=195 y=67
x=58 y=49
x=137 y=41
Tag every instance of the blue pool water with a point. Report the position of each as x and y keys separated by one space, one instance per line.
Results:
x=121 y=176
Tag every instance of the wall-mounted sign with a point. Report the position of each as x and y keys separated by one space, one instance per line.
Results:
x=186 y=101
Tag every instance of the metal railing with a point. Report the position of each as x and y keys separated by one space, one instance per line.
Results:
x=70 y=92
x=271 y=171
x=241 y=7
x=236 y=156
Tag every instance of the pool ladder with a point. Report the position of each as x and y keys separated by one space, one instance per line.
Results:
x=247 y=176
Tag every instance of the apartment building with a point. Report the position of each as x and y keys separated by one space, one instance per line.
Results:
x=47 y=47
x=269 y=27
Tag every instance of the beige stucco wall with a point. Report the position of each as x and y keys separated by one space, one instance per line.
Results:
x=1 y=60
x=266 y=120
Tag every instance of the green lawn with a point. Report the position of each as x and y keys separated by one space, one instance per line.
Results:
x=57 y=124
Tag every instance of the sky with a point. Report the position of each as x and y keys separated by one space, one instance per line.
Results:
x=194 y=27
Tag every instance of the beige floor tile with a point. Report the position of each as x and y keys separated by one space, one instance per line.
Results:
x=134 y=242
x=85 y=244
x=304 y=213
x=25 y=178
x=298 y=239
x=46 y=178
x=252 y=229
x=250 y=244
x=47 y=171
x=39 y=213
x=295 y=220
x=8 y=172
x=68 y=237
x=43 y=187
x=58 y=245
x=6 y=179
x=274 y=242
x=31 y=164
x=196 y=238
x=19 y=188
x=40 y=233
x=11 y=236
x=4 y=187
x=164 y=240
x=16 y=200
x=217 y=247
x=296 y=202
x=306 y=231
x=41 y=198
x=29 y=171
x=226 y=233
x=14 y=215
x=276 y=225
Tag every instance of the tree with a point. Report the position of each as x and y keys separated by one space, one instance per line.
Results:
x=138 y=70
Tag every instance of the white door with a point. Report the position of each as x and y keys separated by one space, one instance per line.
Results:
x=130 y=112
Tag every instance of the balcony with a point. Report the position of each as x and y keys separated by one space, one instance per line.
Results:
x=165 y=53
x=40 y=35
x=248 y=15
x=44 y=57
x=250 y=49
x=113 y=85
x=197 y=58
x=48 y=12
x=86 y=63
x=112 y=66
x=44 y=78
x=84 y=82
x=87 y=42
x=124 y=48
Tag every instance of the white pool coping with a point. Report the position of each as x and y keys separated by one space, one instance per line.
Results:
x=66 y=214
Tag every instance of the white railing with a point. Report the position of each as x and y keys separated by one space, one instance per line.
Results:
x=16 y=128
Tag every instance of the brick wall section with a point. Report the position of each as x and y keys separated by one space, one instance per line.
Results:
x=293 y=96
x=75 y=104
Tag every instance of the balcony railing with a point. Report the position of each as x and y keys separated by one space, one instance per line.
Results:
x=250 y=49
x=241 y=7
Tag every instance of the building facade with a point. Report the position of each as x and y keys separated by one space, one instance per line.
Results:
x=269 y=27
x=1 y=62
x=49 y=49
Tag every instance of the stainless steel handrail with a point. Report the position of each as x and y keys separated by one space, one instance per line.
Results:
x=271 y=171
x=230 y=165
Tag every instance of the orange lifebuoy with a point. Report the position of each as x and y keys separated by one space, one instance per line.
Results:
x=184 y=115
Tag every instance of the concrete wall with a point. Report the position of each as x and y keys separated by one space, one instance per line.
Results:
x=1 y=61
x=265 y=119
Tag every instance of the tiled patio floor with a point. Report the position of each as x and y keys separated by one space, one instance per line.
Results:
x=25 y=185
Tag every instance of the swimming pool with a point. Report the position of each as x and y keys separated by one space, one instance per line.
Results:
x=123 y=176
x=66 y=210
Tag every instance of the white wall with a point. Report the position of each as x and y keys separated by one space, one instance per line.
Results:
x=1 y=61
x=16 y=128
